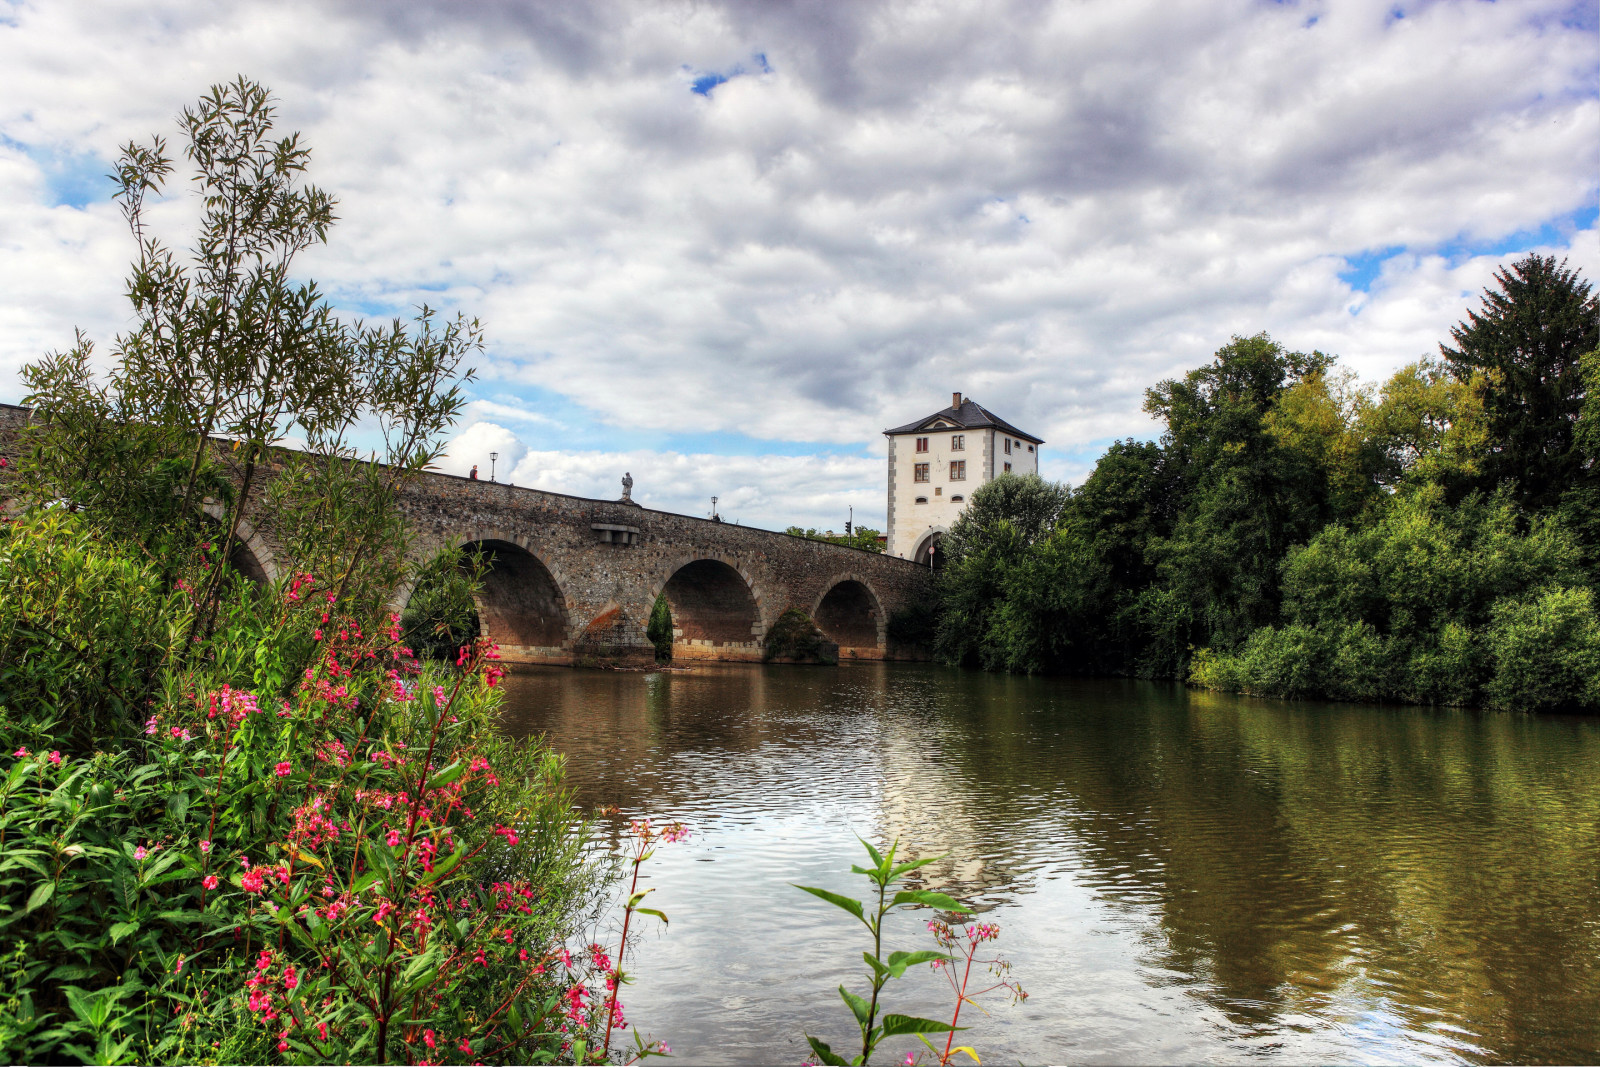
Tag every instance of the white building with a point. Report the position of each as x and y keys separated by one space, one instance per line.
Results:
x=935 y=464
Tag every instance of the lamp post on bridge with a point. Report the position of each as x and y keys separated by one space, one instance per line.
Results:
x=492 y=457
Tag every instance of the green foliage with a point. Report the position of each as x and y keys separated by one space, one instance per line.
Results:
x=874 y=1027
x=1529 y=340
x=441 y=615
x=795 y=637
x=1004 y=519
x=266 y=808
x=659 y=629
x=1428 y=603
x=861 y=537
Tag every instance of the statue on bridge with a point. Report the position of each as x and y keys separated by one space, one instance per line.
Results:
x=627 y=487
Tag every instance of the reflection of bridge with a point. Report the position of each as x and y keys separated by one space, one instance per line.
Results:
x=574 y=579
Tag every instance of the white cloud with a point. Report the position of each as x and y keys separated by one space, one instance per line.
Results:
x=1047 y=204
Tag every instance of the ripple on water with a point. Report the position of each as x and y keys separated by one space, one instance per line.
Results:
x=1178 y=876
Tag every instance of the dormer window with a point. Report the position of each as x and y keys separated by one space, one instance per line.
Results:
x=922 y=444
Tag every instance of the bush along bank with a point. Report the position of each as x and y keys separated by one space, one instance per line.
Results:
x=362 y=869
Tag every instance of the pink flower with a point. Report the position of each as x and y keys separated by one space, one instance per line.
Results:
x=55 y=757
x=289 y=979
x=427 y=1038
x=139 y=853
x=393 y=837
x=322 y=1031
x=283 y=769
x=251 y=882
x=21 y=753
x=179 y=968
x=209 y=881
x=465 y=1046
x=205 y=847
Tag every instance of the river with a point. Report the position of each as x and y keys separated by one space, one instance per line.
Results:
x=1178 y=876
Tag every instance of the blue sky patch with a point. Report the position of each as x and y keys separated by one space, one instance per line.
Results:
x=709 y=80
x=72 y=179
x=1362 y=269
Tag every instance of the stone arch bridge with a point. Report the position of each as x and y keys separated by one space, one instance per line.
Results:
x=573 y=579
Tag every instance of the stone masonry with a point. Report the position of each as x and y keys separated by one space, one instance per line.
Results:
x=573 y=579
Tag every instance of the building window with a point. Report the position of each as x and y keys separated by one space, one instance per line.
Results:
x=958 y=470
x=958 y=443
x=1008 y=468
x=939 y=491
x=922 y=500
x=1030 y=448
x=958 y=499
x=1008 y=446
x=922 y=444
x=920 y=472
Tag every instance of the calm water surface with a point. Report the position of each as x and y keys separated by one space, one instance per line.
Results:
x=1178 y=876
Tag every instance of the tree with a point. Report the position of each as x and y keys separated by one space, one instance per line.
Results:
x=1002 y=521
x=229 y=355
x=1529 y=338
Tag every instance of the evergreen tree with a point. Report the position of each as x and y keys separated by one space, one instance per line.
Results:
x=1530 y=337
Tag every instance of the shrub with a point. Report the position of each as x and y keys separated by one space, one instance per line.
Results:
x=1546 y=651
x=361 y=869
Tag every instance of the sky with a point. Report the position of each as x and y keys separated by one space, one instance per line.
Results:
x=723 y=245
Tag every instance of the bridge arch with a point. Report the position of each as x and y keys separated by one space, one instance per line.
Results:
x=521 y=604
x=717 y=608
x=251 y=557
x=851 y=613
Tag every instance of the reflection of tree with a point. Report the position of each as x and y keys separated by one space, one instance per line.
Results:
x=1345 y=862
x=1368 y=867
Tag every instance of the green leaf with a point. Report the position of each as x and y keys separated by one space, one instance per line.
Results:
x=849 y=904
x=119 y=931
x=877 y=857
x=875 y=963
x=447 y=775
x=899 y=961
x=43 y=892
x=824 y=1053
x=178 y=805
x=929 y=898
x=911 y=865
x=653 y=911
x=858 y=1005
x=894 y=1025
x=445 y=866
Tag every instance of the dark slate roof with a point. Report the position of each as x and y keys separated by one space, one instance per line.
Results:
x=969 y=416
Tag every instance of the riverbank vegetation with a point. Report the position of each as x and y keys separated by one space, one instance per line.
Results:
x=1298 y=533
x=242 y=821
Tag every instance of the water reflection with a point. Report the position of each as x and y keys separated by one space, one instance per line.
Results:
x=1181 y=876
